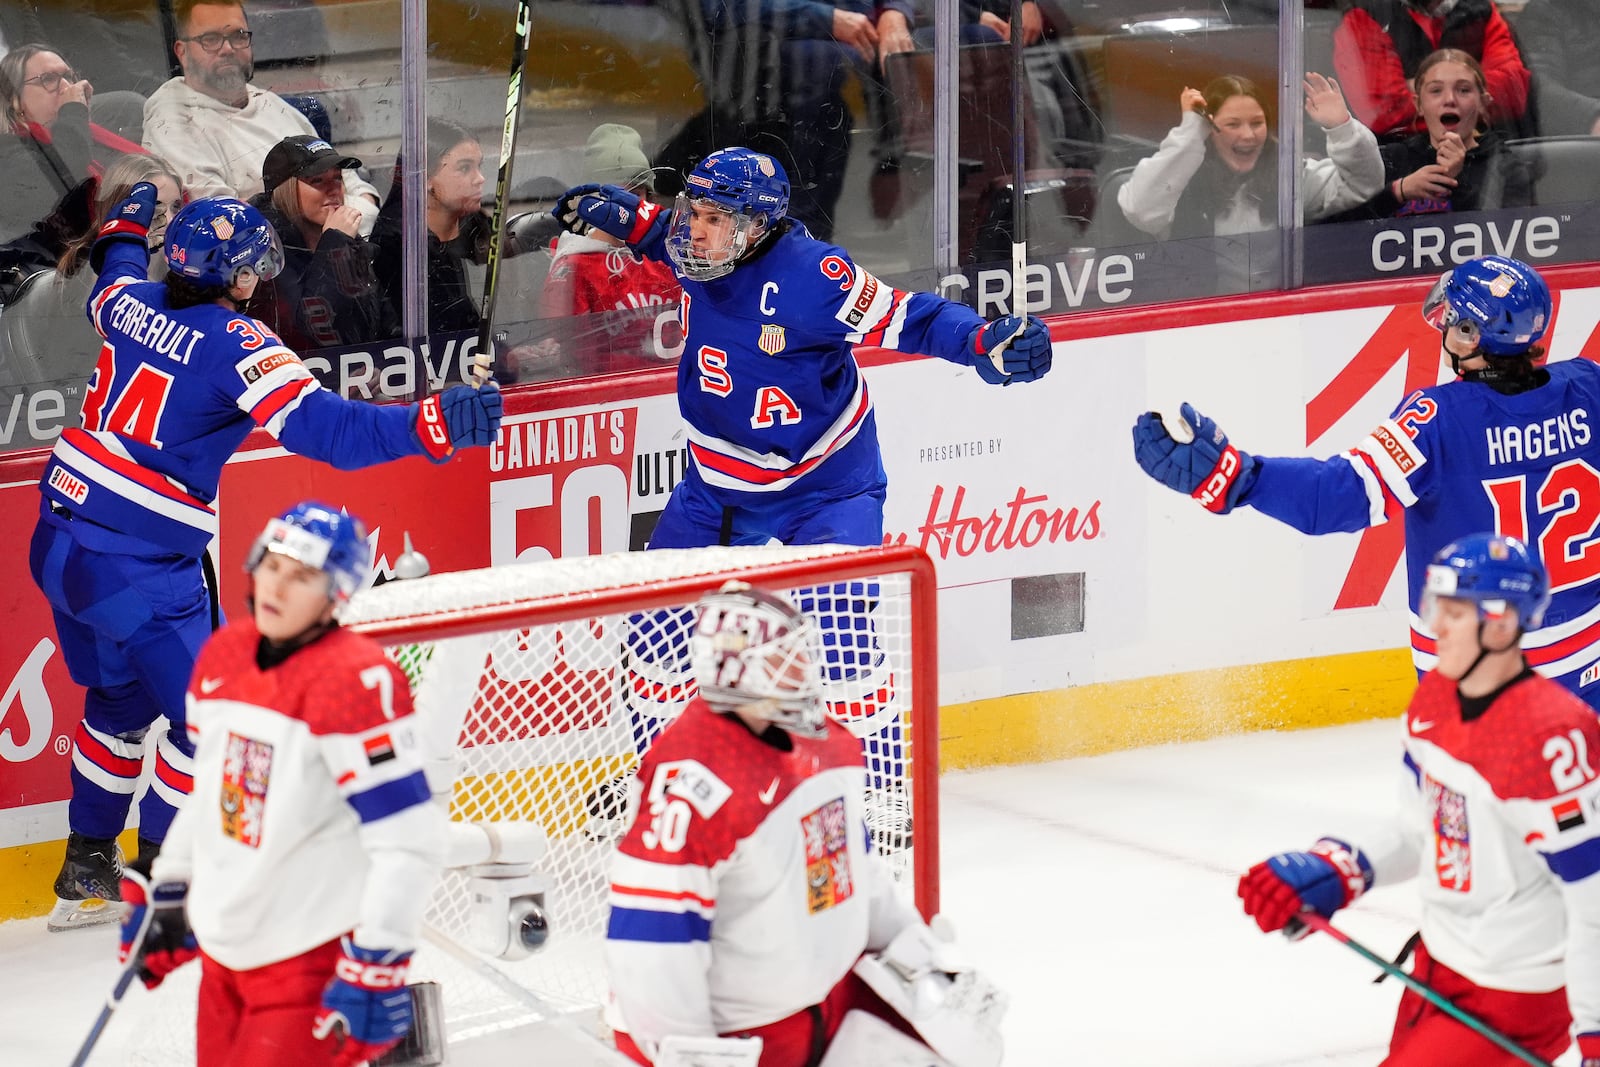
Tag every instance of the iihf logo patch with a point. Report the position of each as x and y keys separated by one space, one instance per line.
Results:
x=772 y=340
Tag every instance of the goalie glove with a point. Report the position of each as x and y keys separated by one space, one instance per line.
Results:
x=456 y=418
x=129 y=220
x=155 y=930
x=1323 y=880
x=366 y=1009
x=925 y=978
x=1204 y=465
x=1010 y=350
x=609 y=209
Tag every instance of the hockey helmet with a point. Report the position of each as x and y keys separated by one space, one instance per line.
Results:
x=1501 y=304
x=1495 y=571
x=749 y=187
x=753 y=651
x=320 y=537
x=214 y=238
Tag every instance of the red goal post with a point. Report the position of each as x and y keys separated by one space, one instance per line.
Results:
x=538 y=673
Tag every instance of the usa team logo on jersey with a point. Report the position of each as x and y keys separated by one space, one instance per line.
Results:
x=826 y=833
x=1452 y=837
x=772 y=339
x=246 y=772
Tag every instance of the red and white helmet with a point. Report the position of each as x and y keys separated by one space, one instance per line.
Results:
x=753 y=651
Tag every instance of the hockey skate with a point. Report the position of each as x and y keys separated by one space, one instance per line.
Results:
x=89 y=885
x=889 y=820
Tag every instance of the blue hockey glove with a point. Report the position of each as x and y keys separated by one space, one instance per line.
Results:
x=1207 y=467
x=129 y=220
x=460 y=416
x=366 y=1009
x=609 y=209
x=154 y=927
x=1001 y=358
x=1322 y=880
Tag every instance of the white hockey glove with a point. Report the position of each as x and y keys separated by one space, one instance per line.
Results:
x=679 y=1051
x=926 y=979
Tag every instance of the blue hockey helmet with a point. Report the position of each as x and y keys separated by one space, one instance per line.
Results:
x=320 y=537
x=214 y=238
x=1503 y=301
x=750 y=187
x=1495 y=571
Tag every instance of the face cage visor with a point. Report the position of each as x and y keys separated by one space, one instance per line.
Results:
x=302 y=546
x=782 y=676
x=1437 y=312
x=706 y=264
x=267 y=266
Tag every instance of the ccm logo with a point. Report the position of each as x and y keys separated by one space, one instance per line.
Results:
x=371 y=975
x=1213 y=494
x=432 y=421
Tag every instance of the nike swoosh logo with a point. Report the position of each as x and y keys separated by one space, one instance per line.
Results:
x=769 y=792
x=1422 y=726
x=209 y=685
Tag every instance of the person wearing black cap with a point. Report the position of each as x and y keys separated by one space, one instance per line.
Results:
x=327 y=294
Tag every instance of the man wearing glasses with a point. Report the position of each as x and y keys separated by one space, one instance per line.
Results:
x=212 y=125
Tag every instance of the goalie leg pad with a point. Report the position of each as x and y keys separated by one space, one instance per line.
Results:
x=956 y=1010
x=864 y=1039
x=679 y=1051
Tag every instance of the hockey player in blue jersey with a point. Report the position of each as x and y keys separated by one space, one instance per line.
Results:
x=127 y=508
x=783 y=442
x=1508 y=446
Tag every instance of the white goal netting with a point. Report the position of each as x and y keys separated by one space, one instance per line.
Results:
x=539 y=685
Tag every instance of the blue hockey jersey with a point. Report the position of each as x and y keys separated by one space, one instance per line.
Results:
x=174 y=394
x=1460 y=458
x=768 y=381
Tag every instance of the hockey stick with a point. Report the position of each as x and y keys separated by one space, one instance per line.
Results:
x=1296 y=927
x=1019 y=207
x=483 y=358
x=118 y=991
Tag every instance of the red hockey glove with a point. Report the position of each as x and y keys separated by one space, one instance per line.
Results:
x=1322 y=880
x=154 y=927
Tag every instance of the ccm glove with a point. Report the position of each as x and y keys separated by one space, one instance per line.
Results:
x=129 y=220
x=155 y=930
x=366 y=1009
x=1322 y=880
x=462 y=415
x=1207 y=467
x=1002 y=355
x=609 y=209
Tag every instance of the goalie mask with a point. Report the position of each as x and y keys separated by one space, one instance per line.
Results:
x=732 y=200
x=320 y=537
x=753 y=652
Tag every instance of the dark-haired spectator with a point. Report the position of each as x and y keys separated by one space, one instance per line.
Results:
x=1216 y=172
x=327 y=292
x=216 y=127
x=1379 y=45
x=458 y=230
x=1459 y=162
x=119 y=41
x=51 y=144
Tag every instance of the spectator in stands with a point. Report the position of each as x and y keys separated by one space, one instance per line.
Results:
x=1459 y=162
x=120 y=42
x=1380 y=44
x=597 y=275
x=51 y=145
x=775 y=72
x=1560 y=40
x=1216 y=172
x=458 y=229
x=327 y=292
x=216 y=127
x=113 y=188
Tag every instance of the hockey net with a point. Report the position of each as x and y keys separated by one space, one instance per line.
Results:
x=548 y=679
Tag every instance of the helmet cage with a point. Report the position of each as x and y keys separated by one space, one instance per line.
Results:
x=754 y=652
x=707 y=264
